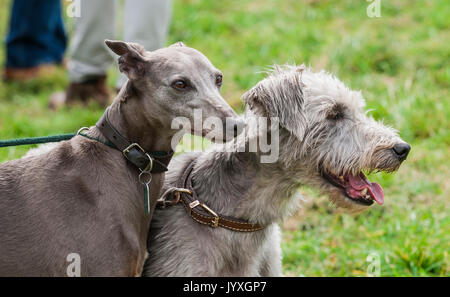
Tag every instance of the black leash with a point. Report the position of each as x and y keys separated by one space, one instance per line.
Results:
x=146 y=162
x=36 y=140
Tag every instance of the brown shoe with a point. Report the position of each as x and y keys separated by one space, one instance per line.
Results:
x=92 y=89
x=24 y=74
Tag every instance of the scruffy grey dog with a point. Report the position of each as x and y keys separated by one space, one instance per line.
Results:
x=326 y=142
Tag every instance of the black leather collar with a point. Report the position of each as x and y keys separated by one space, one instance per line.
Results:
x=154 y=162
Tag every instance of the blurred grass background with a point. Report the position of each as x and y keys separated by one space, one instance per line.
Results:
x=400 y=61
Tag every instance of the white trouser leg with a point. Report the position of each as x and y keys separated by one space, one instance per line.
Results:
x=147 y=23
x=88 y=54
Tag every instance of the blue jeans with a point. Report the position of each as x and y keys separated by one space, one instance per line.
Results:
x=36 y=34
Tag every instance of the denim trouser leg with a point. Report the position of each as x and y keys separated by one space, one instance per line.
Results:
x=36 y=33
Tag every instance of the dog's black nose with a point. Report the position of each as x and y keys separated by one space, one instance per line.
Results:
x=401 y=150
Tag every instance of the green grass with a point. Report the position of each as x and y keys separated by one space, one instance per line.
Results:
x=400 y=62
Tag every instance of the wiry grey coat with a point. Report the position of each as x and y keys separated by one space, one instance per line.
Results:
x=322 y=128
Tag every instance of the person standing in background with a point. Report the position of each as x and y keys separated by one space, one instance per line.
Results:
x=36 y=40
x=145 y=22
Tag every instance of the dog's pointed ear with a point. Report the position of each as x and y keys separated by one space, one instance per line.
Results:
x=132 y=57
x=178 y=44
x=280 y=96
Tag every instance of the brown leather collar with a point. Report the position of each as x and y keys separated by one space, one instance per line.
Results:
x=199 y=211
x=154 y=162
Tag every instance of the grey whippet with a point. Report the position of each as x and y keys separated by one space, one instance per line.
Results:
x=83 y=197
x=326 y=141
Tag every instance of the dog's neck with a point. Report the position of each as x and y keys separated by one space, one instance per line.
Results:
x=134 y=126
x=262 y=193
x=129 y=118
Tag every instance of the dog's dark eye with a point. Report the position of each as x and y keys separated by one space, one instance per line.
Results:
x=179 y=84
x=219 y=79
x=335 y=115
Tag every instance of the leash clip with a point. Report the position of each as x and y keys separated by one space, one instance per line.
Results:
x=82 y=129
x=166 y=201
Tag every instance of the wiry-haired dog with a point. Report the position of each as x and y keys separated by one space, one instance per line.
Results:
x=326 y=141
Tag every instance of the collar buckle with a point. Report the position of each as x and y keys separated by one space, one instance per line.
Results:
x=215 y=221
x=130 y=147
x=136 y=146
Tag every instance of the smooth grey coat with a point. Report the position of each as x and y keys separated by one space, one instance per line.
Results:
x=82 y=196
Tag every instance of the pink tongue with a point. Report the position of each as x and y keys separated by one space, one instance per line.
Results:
x=359 y=183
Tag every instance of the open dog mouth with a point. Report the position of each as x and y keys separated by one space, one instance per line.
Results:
x=356 y=187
